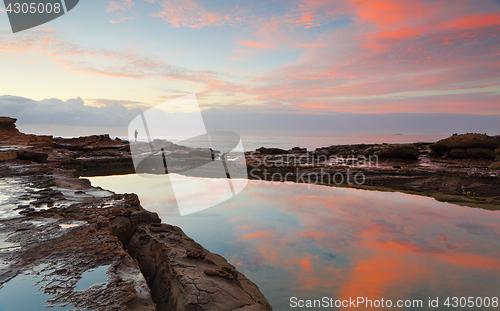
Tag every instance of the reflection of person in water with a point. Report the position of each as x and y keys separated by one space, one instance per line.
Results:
x=135 y=134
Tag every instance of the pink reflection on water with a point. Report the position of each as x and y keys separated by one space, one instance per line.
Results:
x=393 y=241
x=291 y=239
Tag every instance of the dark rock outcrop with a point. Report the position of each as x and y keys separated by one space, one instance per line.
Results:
x=321 y=154
x=466 y=146
x=480 y=153
x=298 y=150
x=183 y=275
x=264 y=150
x=399 y=151
x=32 y=155
x=371 y=150
x=88 y=143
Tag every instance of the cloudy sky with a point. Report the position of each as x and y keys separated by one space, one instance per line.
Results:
x=273 y=58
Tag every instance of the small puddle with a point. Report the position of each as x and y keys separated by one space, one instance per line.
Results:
x=92 y=277
x=67 y=226
x=20 y=294
x=99 y=193
x=72 y=224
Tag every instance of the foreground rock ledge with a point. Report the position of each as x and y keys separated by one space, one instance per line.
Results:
x=185 y=276
x=151 y=266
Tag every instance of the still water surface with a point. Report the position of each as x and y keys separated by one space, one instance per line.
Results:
x=316 y=241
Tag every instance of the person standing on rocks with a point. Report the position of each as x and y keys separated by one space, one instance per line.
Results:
x=135 y=134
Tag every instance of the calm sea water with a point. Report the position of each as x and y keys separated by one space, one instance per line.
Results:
x=312 y=142
x=309 y=242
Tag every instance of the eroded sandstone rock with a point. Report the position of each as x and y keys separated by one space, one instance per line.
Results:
x=184 y=276
x=9 y=134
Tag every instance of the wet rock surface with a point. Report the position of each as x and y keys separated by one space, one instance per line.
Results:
x=185 y=276
x=59 y=244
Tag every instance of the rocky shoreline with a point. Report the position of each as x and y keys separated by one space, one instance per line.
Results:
x=462 y=169
x=55 y=227
x=54 y=224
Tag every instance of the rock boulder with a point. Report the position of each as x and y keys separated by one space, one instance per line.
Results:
x=399 y=151
x=466 y=146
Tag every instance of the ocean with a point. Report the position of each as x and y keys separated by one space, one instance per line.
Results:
x=312 y=142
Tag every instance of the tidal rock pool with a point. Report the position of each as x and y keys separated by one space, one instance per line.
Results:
x=310 y=242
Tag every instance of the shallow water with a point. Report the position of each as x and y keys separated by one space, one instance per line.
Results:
x=316 y=241
x=92 y=277
x=21 y=293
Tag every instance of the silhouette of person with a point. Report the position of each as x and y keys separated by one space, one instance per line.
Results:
x=135 y=134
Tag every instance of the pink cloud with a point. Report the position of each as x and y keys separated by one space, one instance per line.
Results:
x=98 y=61
x=119 y=7
x=113 y=6
x=192 y=13
x=392 y=47
x=121 y=20
x=254 y=44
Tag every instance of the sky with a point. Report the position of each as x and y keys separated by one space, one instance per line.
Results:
x=280 y=59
